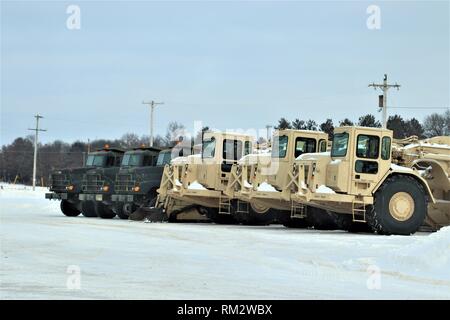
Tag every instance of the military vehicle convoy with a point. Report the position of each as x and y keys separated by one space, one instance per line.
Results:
x=113 y=182
x=359 y=182
x=365 y=178
x=67 y=184
x=211 y=180
x=362 y=180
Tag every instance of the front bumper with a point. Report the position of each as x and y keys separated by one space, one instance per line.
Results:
x=56 y=196
x=93 y=197
x=124 y=198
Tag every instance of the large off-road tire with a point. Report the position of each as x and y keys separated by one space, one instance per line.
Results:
x=255 y=216
x=345 y=222
x=69 y=209
x=104 y=212
x=400 y=206
x=128 y=209
x=220 y=218
x=321 y=219
x=118 y=209
x=88 y=209
x=284 y=217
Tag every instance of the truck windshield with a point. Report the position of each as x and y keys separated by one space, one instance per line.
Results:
x=340 y=143
x=279 y=147
x=132 y=160
x=163 y=158
x=95 y=160
x=209 y=148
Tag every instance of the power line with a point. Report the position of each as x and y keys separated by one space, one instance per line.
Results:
x=36 y=132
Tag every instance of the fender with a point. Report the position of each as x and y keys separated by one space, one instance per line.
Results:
x=413 y=174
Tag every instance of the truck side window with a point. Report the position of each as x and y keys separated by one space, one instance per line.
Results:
x=279 y=147
x=340 y=145
x=322 y=145
x=367 y=146
x=232 y=149
x=247 y=148
x=386 y=148
x=363 y=166
x=209 y=148
x=304 y=145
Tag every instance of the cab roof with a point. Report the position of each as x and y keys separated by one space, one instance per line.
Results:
x=146 y=149
x=110 y=149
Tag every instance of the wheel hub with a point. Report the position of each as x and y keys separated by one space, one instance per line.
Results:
x=401 y=206
x=259 y=208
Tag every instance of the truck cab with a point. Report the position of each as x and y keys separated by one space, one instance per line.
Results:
x=139 y=177
x=98 y=183
x=66 y=184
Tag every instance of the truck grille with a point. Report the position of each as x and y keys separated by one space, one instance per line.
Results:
x=124 y=182
x=92 y=182
x=59 y=182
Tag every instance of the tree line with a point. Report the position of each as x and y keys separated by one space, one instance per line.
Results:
x=16 y=159
x=434 y=125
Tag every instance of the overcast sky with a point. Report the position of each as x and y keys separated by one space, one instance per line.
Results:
x=228 y=64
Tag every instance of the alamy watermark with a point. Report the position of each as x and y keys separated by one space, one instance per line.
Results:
x=373 y=22
x=73 y=281
x=73 y=21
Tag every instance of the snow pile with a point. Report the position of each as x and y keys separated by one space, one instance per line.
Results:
x=194 y=158
x=336 y=161
x=247 y=185
x=400 y=168
x=179 y=160
x=196 y=186
x=426 y=254
x=254 y=158
x=324 y=189
x=266 y=187
x=313 y=156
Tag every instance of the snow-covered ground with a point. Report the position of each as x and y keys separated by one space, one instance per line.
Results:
x=42 y=252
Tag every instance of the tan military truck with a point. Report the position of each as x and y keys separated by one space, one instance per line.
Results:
x=198 y=182
x=431 y=157
x=359 y=180
x=263 y=183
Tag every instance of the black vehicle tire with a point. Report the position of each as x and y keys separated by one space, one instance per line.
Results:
x=219 y=218
x=88 y=209
x=128 y=208
x=119 y=211
x=321 y=219
x=284 y=217
x=255 y=216
x=345 y=222
x=400 y=206
x=69 y=209
x=104 y=212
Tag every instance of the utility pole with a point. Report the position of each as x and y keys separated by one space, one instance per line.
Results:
x=152 y=105
x=382 y=102
x=268 y=126
x=36 y=131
